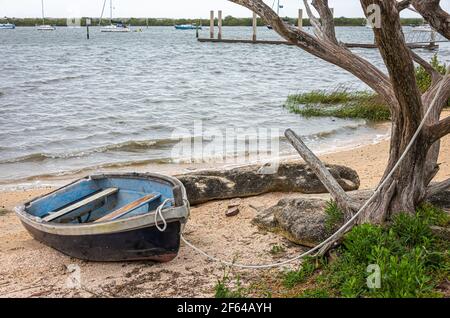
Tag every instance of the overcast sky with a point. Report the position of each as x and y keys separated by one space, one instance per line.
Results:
x=163 y=8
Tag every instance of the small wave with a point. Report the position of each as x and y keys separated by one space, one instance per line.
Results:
x=67 y=174
x=54 y=80
x=128 y=146
x=139 y=146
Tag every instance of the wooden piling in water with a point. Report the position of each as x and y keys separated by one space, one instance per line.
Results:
x=211 y=25
x=88 y=23
x=300 y=18
x=255 y=24
x=219 y=24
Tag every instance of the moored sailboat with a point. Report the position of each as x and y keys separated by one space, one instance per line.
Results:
x=114 y=26
x=45 y=27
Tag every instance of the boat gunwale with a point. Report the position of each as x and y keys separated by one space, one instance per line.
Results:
x=171 y=214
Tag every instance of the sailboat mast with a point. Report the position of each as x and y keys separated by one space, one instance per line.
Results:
x=43 y=18
x=111 y=11
x=278 y=8
x=103 y=11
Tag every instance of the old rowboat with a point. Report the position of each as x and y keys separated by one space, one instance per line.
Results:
x=111 y=217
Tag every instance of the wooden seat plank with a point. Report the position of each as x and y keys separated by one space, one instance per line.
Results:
x=129 y=207
x=100 y=195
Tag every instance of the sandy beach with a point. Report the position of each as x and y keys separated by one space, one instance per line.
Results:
x=30 y=269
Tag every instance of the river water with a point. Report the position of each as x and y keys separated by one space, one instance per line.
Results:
x=72 y=106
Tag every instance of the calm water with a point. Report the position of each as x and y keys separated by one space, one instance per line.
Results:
x=69 y=105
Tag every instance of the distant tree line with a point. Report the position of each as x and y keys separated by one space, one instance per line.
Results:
x=227 y=21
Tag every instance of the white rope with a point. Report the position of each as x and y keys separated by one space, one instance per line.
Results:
x=159 y=213
x=349 y=222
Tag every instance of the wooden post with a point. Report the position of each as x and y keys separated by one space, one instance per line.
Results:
x=255 y=24
x=88 y=23
x=300 y=18
x=211 y=25
x=433 y=38
x=219 y=23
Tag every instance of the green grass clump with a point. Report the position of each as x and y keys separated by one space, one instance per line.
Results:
x=340 y=103
x=277 y=249
x=344 y=103
x=315 y=293
x=335 y=217
x=293 y=278
x=223 y=289
x=412 y=261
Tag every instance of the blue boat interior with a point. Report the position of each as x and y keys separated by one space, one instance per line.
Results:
x=95 y=200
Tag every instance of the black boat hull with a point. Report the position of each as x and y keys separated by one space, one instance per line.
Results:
x=146 y=243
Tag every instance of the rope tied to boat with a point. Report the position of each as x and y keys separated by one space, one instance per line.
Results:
x=348 y=223
x=160 y=214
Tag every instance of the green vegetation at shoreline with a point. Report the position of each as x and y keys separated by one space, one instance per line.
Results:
x=345 y=103
x=340 y=103
x=411 y=259
x=227 y=21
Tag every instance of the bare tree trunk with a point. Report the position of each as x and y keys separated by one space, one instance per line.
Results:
x=408 y=187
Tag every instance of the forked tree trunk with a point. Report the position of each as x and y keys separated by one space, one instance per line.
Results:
x=407 y=187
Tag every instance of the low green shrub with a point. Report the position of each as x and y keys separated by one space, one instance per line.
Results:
x=412 y=261
x=293 y=278
x=223 y=290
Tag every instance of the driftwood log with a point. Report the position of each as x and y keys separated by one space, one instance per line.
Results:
x=204 y=186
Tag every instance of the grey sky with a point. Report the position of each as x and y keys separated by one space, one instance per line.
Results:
x=163 y=8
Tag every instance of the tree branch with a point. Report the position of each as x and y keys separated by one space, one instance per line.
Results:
x=435 y=75
x=439 y=130
x=342 y=199
x=441 y=100
x=434 y=14
x=398 y=60
x=315 y=22
x=438 y=187
x=404 y=4
x=326 y=16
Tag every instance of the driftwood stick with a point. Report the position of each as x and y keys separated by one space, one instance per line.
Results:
x=322 y=173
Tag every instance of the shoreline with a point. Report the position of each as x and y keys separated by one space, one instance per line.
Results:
x=31 y=269
x=59 y=179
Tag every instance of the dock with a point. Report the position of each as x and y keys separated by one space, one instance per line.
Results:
x=432 y=44
x=428 y=46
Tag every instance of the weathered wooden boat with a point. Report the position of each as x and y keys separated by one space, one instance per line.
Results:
x=111 y=217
